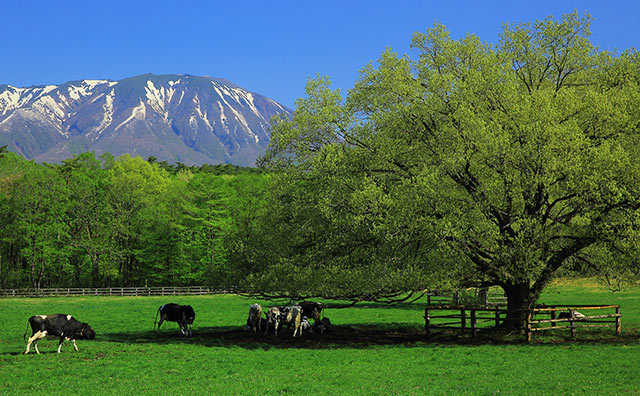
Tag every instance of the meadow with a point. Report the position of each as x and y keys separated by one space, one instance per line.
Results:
x=373 y=349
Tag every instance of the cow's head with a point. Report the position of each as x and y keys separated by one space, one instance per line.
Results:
x=87 y=332
x=273 y=315
x=188 y=314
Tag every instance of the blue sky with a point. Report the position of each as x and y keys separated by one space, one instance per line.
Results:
x=269 y=47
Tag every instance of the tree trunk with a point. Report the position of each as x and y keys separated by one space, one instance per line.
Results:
x=95 y=270
x=518 y=300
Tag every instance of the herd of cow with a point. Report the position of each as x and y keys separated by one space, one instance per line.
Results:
x=68 y=328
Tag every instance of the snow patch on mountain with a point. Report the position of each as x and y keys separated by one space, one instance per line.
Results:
x=139 y=112
x=10 y=99
x=158 y=98
x=107 y=111
x=203 y=115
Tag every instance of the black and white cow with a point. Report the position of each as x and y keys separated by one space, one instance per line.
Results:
x=567 y=315
x=273 y=319
x=184 y=315
x=59 y=325
x=311 y=309
x=255 y=317
x=321 y=326
x=293 y=316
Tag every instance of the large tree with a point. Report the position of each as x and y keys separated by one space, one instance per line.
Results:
x=466 y=164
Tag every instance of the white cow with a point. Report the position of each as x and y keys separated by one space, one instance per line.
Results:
x=255 y=316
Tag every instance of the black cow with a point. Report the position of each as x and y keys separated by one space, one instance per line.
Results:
x=58 y=325
x=182 y=314
x=311 y=309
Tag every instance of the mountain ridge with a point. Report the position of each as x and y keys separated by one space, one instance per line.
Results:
x=173 y=117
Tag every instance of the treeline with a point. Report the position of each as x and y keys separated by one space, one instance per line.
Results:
x=97 y=222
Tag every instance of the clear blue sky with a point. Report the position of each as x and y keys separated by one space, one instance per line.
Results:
x=270 y=47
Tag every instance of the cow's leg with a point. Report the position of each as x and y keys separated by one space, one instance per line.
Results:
x=266 y=330
x=34 y=339
x=74 y=345
x=159 y=324
x=60 y=344
x=276 y=328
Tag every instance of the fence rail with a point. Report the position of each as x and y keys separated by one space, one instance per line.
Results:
x=113 y=291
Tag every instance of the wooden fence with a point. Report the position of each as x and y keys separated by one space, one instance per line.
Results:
x=572 y=316
x=484 y=297
x=557 y=317
x=112 y=291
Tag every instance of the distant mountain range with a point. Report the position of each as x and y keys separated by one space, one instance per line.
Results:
x=177 y=118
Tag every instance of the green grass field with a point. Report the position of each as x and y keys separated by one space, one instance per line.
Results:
x=382 y=352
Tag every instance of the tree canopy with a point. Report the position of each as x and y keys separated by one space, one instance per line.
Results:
x=462 y=164
x=117 y=222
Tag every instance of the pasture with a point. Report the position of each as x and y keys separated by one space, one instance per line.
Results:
x=373 y=349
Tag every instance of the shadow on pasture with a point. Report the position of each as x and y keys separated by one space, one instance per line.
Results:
x=355 y=337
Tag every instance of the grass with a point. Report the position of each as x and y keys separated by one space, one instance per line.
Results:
x=373 y=350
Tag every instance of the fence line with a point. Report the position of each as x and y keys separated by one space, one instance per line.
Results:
x=476 y=296
x=113 y=291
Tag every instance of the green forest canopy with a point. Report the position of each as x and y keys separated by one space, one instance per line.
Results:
x=118 y=222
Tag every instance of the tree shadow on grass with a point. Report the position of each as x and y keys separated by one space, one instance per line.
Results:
x=357 y=337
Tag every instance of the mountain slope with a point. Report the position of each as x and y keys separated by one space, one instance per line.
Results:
x=178 y=118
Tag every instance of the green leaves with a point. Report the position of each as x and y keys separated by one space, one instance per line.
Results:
x=513 y=159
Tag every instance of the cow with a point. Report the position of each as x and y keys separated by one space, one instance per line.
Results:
x=304 y=323
x=567 y=315
x=311 y=309
x=182 y=314
x=321 y=326
x=255 y=316
x=59 y=325
x=273 y=319
x=292 y=315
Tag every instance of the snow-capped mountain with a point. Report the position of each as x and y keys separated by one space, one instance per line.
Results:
x=178 y=118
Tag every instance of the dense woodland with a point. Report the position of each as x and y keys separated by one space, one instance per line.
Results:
x=95 y=222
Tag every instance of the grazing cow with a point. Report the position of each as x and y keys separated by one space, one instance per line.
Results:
x=273 y=319
x=59 y=325
x=255 y=316
x=182 y=314
x=292 y=315
x=304 y=323
x=567 y=315
x=311 y=309
x=321 y=326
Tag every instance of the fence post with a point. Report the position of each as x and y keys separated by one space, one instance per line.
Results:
x=497 y=316
x=463 y=319
x=618 y=320
x=473 y=323
x=427 y=323
x=553 y=316
x=572 y=314
x=527 y=326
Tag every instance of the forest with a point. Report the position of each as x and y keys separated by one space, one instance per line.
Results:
x=97 y=222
